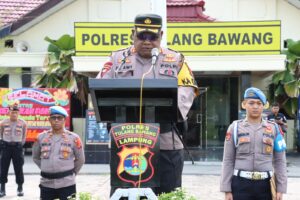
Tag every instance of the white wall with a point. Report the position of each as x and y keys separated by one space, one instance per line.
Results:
x=62 y=22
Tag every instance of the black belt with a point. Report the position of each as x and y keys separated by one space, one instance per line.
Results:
x=57 y=175
x=12 y=143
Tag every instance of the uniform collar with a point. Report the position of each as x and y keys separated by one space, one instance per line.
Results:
x=246 y=123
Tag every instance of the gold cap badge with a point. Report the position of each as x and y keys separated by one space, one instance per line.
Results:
x=147 y=21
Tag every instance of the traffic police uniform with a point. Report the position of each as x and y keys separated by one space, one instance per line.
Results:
x=249 y=151
x=13 y=136
x=127 y=63
x=60 y=158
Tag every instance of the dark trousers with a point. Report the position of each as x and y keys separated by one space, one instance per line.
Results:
x=59 y=193
x=245 y=189
x=14 y=153
x=171 y=166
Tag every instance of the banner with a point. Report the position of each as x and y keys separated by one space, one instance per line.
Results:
x=217 y=38
x=34 y=106
x=134 y=155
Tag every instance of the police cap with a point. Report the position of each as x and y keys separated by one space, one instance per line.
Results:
x=255 y=93
x=58 y=110
x=148 y=23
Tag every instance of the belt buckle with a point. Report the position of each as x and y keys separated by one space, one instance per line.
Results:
x=256 y=176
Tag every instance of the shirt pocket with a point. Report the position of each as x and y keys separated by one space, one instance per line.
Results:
x=18 y=131
x=65 y=152
x=243 y=145
x=267 y=146
x=168 y=72
x=45 y=152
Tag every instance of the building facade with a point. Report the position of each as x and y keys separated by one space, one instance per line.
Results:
x=222 y=78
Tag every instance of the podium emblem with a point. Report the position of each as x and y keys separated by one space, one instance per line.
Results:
x=135 y=150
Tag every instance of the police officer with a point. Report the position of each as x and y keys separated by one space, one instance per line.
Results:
x=13 y=135
x=250 y=147
x=278 y=117
x=135 y=61
x=59 y=154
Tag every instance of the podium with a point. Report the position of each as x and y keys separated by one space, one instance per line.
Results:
x=118 y=100
x=134 y=146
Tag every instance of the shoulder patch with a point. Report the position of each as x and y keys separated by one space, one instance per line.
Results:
x=106 y=68
x=186 y=77
x=78 y=143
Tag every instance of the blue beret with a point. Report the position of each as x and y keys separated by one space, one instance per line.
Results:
x=255 y=93
x=58 y=110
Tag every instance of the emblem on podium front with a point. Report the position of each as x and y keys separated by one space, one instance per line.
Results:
x=134 y=155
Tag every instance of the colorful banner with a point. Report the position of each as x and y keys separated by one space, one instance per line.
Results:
x=194 y=39
x=134 y=155
x=34 y=106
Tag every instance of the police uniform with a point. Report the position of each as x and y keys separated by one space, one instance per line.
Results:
x=281 y=117
x=13 y=136
x=60 y=157
x=249 y=151
x=127 y=63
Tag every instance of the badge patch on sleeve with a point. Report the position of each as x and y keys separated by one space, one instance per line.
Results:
x=186 y=77
x=107 y=66
x=78 y=143
x=228 y=136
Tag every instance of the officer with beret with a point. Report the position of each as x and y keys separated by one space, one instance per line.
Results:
x=137 y=60
x=59 y=154
x=13 y=136
x=254 y=150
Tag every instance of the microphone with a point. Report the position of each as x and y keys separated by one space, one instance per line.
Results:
x=154 y=54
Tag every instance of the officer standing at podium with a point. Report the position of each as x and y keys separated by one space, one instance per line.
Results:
x=137 y=60
x=59 y=154
x=13 y=136
x=251 y=146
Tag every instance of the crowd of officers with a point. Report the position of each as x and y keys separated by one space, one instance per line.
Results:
x=254 y=148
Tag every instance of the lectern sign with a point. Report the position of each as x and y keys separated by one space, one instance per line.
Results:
x=135 y=149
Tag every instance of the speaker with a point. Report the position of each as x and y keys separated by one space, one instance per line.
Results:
x=97 y=157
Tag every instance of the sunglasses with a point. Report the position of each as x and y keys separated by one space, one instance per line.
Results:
x=58 y=118
x=147 y=36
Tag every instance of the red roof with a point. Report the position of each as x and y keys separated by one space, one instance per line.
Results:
x=13 y=10
x=186 y=11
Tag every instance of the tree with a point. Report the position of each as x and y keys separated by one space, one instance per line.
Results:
x=58 y=68
x=285 y=86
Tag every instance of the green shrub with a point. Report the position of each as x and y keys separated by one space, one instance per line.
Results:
x=178 y=194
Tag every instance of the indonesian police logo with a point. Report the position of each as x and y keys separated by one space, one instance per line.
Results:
x=134 y=154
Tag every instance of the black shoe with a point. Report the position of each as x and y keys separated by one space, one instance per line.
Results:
x=2 y=190
x=20 y=192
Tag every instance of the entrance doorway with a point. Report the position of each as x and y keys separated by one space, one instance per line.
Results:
x=210 y=115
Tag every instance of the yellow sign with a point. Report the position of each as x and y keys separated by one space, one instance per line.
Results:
x=216 y=38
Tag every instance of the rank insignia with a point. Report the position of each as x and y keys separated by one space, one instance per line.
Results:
x=122 y=60
x=169 y=58
x=228 y=136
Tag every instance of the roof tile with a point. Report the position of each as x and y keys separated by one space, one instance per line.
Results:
x=13 y=10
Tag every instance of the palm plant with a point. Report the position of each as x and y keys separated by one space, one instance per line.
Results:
x=285 y=86
x=58 y=68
